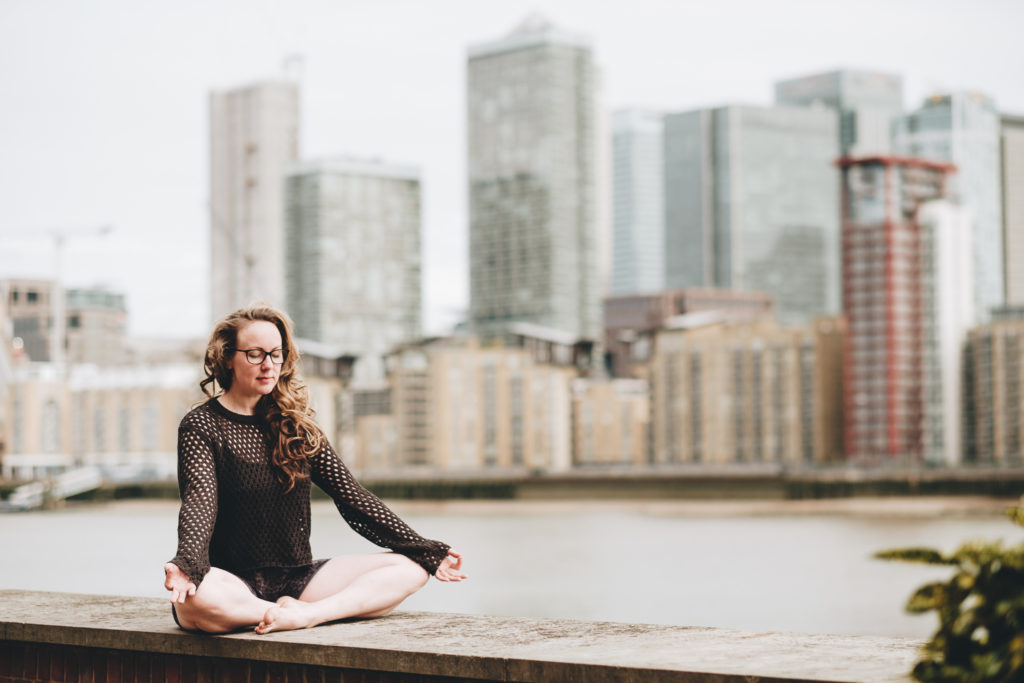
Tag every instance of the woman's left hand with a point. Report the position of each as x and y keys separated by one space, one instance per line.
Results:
x=449 y=567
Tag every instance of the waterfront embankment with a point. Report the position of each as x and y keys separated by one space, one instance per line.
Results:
x=699 y=483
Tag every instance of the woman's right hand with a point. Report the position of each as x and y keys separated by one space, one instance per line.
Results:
x=179 y=584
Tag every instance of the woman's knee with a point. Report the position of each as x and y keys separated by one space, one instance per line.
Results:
x=207 y=610
x=417 y=575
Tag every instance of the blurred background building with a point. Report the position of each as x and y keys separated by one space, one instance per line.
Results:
x=746 y=392
x=628 y=318
x=963 y=129
x=352 y=245
x=453 y=405
x=750 y=204
x=993 y=386
x=866 y=102
x=533 y=126
x=254 y=134
x=1012 y=191
x=638 y=207
x=908 y=303
x=96 y=326
x=611 y=423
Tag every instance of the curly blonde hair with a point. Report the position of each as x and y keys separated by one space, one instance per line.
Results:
x=294 y=436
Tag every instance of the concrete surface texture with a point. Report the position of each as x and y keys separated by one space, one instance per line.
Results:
x=477 y=647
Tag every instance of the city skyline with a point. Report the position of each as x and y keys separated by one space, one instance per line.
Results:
x=106 y=117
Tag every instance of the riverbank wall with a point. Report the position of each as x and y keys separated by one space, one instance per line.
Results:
x=72 y=637
x=640 y=485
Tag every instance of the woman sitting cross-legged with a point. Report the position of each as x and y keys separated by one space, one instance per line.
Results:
x=246 y=461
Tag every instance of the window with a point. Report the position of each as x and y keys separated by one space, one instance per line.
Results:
x=50 y=437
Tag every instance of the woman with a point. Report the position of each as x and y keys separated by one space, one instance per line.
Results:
x=246 y=458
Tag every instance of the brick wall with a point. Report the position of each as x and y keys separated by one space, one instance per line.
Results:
x=25 y=662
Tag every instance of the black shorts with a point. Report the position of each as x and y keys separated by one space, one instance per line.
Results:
x=273 y=583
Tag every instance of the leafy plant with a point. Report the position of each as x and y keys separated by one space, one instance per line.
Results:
x=981 y=611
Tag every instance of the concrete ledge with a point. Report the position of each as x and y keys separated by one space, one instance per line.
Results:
x=428 y=646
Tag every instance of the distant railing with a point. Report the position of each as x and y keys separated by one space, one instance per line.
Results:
x=38 y=494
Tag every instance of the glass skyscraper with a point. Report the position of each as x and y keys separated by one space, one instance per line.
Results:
x=638 y=214
x=963 y=128
x=867 y=103
x=353 y=257
x=533 y=154
x=751 y=203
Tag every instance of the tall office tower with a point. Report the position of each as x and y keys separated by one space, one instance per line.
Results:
x=533 y=146
x=867 y=103
x=353 y=257
x=904 y=262
x=751 y=198
x=963 y=129
x=254 y=134
x=638 y=214
x=1012 y=191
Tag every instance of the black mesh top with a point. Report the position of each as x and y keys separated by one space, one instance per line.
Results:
x=235 y=513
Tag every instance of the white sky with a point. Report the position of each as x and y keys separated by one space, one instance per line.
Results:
x=103 y=105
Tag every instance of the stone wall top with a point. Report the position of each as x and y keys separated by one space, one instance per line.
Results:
x=480 y=647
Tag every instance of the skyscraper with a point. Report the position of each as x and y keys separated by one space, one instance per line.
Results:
x=867 y=103
x=907 y=305
x=751 y=204
x=533 y=172
x=254 y=133
x=638 y=214
x=1012 y=186
x=353 y=257
x=963 y=128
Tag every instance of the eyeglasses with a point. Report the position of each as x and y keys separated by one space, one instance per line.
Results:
x=257 y=356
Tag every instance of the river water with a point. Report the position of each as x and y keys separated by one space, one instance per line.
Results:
x=796 y=566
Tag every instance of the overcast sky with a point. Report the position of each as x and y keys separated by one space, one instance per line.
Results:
x=103 y=109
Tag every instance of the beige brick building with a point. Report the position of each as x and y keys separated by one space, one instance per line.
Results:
x=993 y=382
x=730 y=393
x=453 y=405
x=122 y=420
x=611 y=420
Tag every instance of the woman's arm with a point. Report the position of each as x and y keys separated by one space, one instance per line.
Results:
x=371 y=518
x=197 y=483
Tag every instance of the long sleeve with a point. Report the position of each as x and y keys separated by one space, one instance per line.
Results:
x=197 y=483
x=368 y=515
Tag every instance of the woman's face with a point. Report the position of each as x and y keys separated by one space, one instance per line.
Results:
x=254 y=381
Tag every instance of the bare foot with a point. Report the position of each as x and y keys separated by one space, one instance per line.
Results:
x=287 y=615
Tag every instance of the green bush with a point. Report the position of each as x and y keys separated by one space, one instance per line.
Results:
x=981 y=611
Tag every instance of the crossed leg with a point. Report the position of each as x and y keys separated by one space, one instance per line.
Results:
x=357 y=586
x=222 y=603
